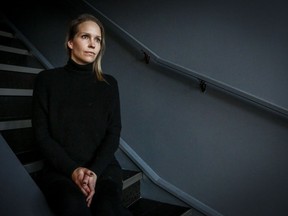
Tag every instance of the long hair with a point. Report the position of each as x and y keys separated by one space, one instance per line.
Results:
x=73 y=30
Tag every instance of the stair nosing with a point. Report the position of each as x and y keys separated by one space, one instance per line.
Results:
x=14 y=50
x=34 y=166
x=128 y=182
x=6 y=34
x=15 y=92
x=20 y=69
x=15 y=124
x=190 y=212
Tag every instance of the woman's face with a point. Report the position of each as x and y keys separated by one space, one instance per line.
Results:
x=86 y=44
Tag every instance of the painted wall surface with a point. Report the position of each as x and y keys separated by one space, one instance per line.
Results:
x=242 y=43
x=228 y=154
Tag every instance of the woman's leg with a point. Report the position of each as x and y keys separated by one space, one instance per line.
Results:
x=66 y=199
x=107 y=200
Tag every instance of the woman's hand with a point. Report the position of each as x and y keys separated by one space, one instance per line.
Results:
x=85 y=179
x=91 y=178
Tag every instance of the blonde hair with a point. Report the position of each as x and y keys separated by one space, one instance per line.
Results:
x=72 y=31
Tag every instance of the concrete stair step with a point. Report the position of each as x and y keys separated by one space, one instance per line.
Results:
x=148 y=207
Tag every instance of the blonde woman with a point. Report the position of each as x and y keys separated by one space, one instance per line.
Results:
x=77 y=124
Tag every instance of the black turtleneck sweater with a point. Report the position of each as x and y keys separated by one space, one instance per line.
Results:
x=76 y=118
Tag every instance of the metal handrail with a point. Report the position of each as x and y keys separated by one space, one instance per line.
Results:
x=149 y=55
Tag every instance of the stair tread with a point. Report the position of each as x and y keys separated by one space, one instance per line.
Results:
x=6 y=34
x=23 y=69
x=14 y=50
x=129 y=173
x=130 y=177
x=147 y=207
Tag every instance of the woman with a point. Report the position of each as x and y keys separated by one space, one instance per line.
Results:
x=77 y=124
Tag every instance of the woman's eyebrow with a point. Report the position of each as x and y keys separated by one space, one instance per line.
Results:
x=87 y=33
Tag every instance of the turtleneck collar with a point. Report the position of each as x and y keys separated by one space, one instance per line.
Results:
x=73 y=67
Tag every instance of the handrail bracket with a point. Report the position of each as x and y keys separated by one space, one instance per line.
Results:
x=146 y=57
x=202 y=85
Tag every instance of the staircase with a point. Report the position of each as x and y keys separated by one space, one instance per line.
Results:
x=18 y=69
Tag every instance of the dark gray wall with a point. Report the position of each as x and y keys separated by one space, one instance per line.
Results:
x=228 y=154
x=242 y=43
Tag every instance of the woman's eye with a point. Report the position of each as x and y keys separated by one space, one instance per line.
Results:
x=84 y=36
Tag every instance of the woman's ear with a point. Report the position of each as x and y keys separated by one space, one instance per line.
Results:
x=70 y=44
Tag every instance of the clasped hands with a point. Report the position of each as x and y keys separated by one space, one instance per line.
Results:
x=85 y=179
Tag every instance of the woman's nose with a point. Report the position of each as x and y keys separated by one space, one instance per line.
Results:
x=92 y=43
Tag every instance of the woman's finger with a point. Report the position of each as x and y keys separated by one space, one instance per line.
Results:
x=89 y=201
x=89 y=198
x=85 y=179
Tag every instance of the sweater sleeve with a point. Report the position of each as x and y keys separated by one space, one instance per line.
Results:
x=49 y=147
x=110 y=143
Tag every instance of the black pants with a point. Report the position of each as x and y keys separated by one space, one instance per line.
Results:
x=66 y=199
